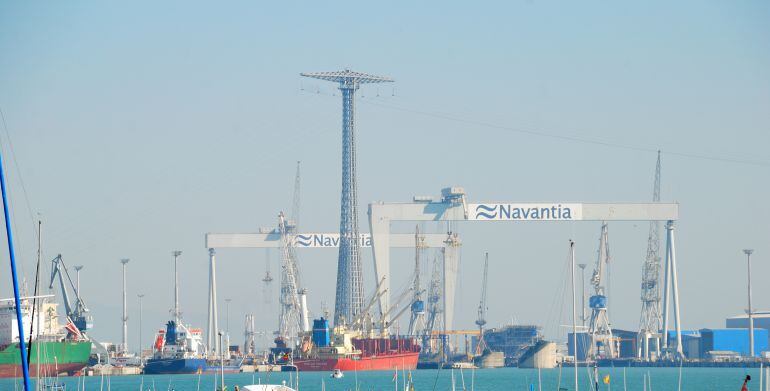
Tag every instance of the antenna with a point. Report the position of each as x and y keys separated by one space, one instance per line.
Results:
x=350 y=291
x=124 y=261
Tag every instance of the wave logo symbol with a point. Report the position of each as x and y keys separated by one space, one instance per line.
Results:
x=486 y=212
x=303 y=240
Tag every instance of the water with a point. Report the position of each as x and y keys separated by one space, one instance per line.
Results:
x=700 y=379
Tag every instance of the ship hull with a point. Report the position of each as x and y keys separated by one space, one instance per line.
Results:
x=11 y=370
x=405 y=361
x=174 y=366
x=54 y=357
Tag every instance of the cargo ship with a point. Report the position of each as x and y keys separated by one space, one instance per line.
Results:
x=348 y=350
x=55 y=348
x=177 y=350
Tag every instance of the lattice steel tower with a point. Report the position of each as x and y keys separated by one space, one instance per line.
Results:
x=650 y=322
x=350 y=291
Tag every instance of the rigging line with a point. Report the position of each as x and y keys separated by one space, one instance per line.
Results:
x=569 y=138
x=18 y=170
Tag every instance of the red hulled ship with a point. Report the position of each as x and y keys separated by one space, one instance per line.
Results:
x=349 y=351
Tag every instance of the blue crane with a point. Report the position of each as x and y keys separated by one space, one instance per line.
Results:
x=77 y=311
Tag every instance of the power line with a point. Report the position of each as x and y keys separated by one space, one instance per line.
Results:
x=577 y=139
x=18 y=170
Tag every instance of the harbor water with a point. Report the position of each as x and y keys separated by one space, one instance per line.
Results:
x=700 y=379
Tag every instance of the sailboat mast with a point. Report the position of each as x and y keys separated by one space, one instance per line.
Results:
x=34 y=300
x=37 y=282
x=15 y=277
x=574 y=309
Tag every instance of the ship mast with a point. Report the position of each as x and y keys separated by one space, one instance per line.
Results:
x=176 y=312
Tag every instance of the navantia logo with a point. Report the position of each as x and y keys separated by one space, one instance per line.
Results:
x=317 y=240
x=303 y=240
x=327 y=240
x=531 y=212
x=486 y=212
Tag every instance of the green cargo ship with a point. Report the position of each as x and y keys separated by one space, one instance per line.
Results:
x=48 y=358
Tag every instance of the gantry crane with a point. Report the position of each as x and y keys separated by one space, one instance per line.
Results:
x=602 y=341
x=481 y=320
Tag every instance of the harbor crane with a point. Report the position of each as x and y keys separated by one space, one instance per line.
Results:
x=602 y=341
x=434 y=322
x=267 y=279
x=76 y=310
x=386 y=320
x=290 y=321
x=417 y=320
x=650 y=321
x=364 y=317
x=294 y=312
x=481 y=320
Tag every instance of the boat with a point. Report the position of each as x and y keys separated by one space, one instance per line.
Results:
x=55 y=348
x=229 y=366
x=178 y=350
x=267 y=387
x=337 y=374
x=354 y=350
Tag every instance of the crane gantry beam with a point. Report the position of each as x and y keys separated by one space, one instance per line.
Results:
x=454 y=207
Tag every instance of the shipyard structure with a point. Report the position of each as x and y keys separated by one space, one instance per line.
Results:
x=364 y=326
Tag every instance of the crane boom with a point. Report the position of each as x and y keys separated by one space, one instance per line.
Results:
x=289 y=322
x=602 y=258
x=56 y=271
x=376 y=296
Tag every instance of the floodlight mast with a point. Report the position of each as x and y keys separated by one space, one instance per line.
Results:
x=349 y=299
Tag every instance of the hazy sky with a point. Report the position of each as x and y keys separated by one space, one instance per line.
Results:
x=139 y=127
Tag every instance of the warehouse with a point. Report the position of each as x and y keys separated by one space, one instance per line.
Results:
x=731 y=340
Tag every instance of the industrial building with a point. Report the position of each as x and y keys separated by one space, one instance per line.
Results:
x=703 y=344
x=583 y=341
x=731 y=340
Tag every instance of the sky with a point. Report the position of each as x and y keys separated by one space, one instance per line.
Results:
x=132 y=129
